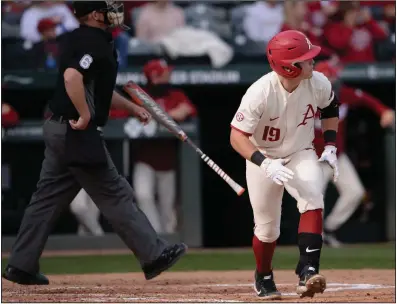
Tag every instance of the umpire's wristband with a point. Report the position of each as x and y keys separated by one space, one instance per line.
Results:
x=330 y=137
x=257 y=158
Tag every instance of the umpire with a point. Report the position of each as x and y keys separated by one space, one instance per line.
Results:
x=76 y=156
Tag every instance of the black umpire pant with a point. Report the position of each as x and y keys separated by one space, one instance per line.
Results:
x=58 y=186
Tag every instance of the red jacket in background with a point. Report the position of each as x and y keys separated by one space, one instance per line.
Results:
x=168 y=102
x=354 y=44
x=377 y=3
x=316 y=14
x=349 y=97
x=316 y=40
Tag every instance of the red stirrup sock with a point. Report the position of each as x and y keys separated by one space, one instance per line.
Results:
x=263 y=255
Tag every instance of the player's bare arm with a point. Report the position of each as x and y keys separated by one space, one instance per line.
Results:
x=242 y=145
x=181 y=112
x=329 y=122
x=74 y=86
x=122 y=103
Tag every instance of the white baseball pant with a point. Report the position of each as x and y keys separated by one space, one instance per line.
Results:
x=147 y=182
x=87 y=213
x=266 y=196
x=350 y=189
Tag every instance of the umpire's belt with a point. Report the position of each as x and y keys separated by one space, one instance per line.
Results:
x=63 y=119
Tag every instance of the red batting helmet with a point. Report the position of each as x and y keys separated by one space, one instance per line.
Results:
x=288 y=48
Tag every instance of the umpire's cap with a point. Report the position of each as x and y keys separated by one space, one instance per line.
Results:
x=82 y=8
x=113 y=10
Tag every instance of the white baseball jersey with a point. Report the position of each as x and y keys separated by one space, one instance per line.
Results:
x=280 y=123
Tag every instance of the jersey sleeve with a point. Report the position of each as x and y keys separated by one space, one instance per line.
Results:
x=250 y=111
x=84 y=59
x=325 y=92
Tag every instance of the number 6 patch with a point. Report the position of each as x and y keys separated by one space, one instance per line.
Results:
x=86 y=61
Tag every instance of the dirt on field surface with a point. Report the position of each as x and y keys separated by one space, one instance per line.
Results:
x=201 y=286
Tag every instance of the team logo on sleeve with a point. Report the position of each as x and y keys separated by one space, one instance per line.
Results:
x=239 y=116
x=86 y=61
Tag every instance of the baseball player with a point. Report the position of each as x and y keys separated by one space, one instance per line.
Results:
x=349 y=186
x=87 y=214
x=273 y=129
x=152 y=174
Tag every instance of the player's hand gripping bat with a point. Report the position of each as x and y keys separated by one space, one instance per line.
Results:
x=141 y=98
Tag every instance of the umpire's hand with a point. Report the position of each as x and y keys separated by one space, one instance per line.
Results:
x=80 y=124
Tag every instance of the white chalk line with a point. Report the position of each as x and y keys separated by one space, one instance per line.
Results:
x=102 y=297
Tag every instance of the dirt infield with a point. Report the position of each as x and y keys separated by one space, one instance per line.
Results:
x=201 y=286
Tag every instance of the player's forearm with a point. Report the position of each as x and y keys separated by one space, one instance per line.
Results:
x=181 y=112
x=121 y=103
x=330 y=129
x=241 y=144
x=75 y=89
x=330 y=124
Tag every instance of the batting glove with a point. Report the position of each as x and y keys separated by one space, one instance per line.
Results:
x=329 y=156
x=275 y=169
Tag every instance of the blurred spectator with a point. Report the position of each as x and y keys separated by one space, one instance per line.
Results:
x=121 y=41
x=296 y=18
x=319 y=12
x=11 y=17
x=9 y=117
x=158 y=19
x=44 y=54
x=153 y=174
x=128 y=7
x=47 y=29
x=352 y=33
x=59 y=13
x=263 y=20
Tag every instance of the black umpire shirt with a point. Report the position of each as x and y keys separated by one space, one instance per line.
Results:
x=90 y=51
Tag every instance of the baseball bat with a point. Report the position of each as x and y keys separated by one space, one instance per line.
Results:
x=141 y=98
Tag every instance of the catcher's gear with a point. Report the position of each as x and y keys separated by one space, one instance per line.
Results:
x=112 y=10
x=287 y=49
x=329 y=156
x=275 y=169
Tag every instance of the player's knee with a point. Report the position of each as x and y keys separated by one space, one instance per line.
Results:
x=144 y=194
x=78 y=206
x=267 y=233
x=316 y=201
x=355 y=194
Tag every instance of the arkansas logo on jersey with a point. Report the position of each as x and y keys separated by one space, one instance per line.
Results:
x=308 y=115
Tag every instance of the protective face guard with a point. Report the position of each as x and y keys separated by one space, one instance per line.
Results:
x=114 y=14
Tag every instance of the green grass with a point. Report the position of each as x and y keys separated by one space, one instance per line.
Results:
x=352 y=257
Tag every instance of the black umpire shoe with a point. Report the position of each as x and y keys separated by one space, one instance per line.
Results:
x=310 y=282
x=265 y=287
x=21 y=277
x=167 y=259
